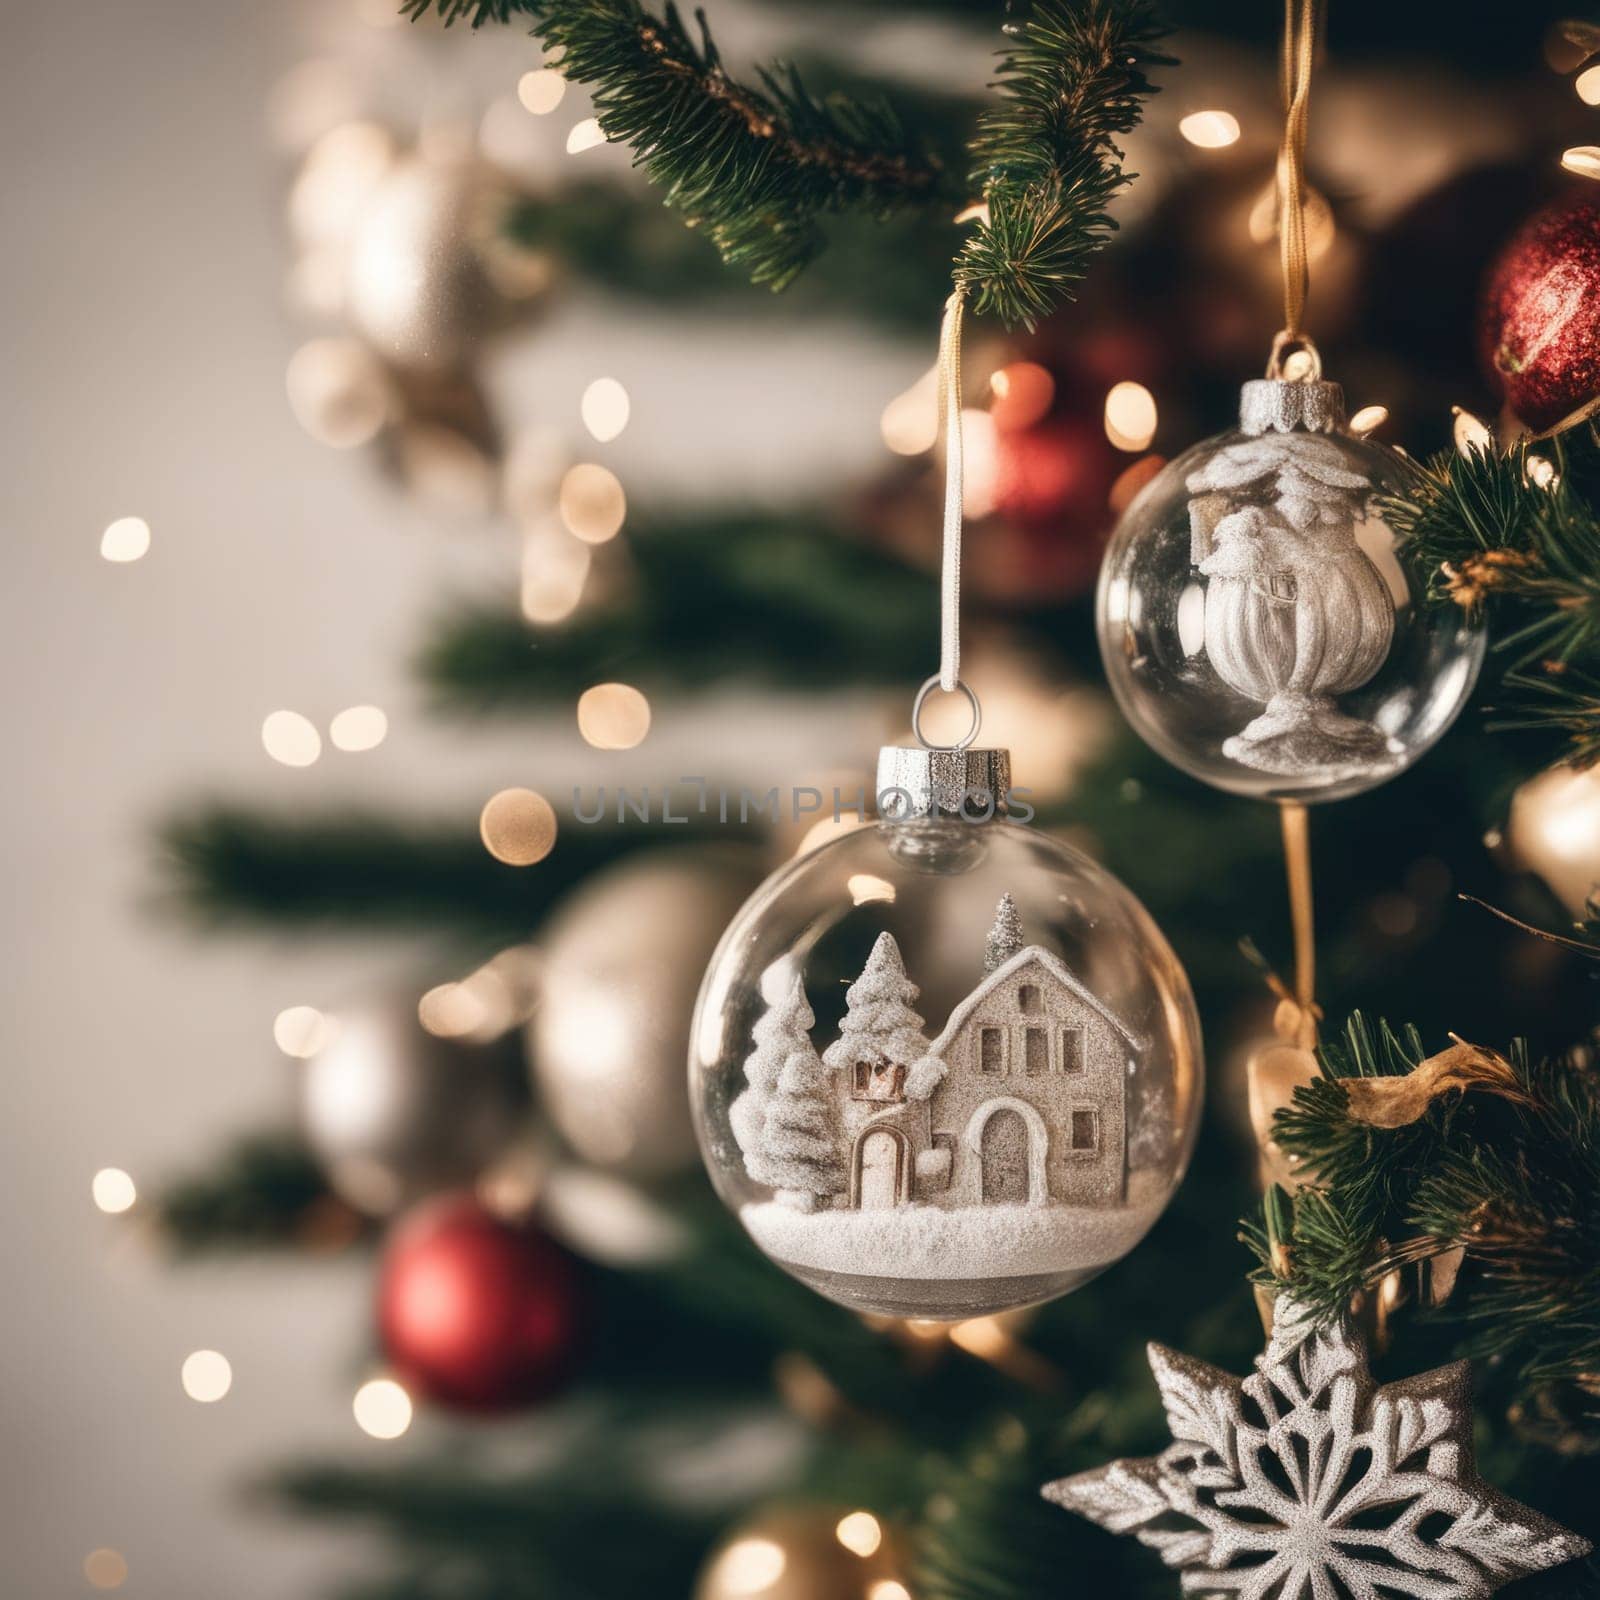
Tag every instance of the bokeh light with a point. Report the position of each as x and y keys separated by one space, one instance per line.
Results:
x=301 y=1031
x=359 y=728
x=860 y=1533
x=748 y=1566
x=291 y=739
x=105 y=1568
x=382 y=1408
x=1582 y=159
x=1130 y=416
x=518 y=827
x=126 y=539
x=207 y=1376
x=337 y=391
x=592 y=502
x=113 y=1190
x=541 y=90
x=613 y=716
x=604 y=409
x=585 y=136
x=1210 y=130
x=1023 y=392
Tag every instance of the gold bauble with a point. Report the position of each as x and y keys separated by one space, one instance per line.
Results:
x=428 y=273
x=1554 y=832
x=796 y=1552
x=623 y=963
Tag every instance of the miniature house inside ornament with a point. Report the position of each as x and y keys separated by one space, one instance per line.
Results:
x=1259 y=622
x=944 y=1064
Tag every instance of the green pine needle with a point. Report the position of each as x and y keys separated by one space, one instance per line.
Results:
x=1046 y=160
x=753 y=166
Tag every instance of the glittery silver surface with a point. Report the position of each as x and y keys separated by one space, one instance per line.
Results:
x=917 y=782
x=1273 y=405
x=1307 y=1480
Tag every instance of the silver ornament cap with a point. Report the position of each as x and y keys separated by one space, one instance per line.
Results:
x=916 y=781
x=1279 y=405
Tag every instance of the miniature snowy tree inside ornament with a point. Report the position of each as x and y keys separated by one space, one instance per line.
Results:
x=1003 y=1152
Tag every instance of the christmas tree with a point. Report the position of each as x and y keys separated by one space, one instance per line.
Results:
x=1450 y=1198
x=879 y=1026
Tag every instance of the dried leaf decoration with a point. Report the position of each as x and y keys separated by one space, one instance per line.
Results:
x=1396 y=1102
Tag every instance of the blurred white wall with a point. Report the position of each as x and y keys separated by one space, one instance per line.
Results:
x=144 y=340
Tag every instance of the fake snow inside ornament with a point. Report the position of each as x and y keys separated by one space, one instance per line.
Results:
x=939 y=1067
x=1258 y=622
x=1308 y=1480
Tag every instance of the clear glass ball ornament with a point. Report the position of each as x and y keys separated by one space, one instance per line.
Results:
x=1259 y=623
x=942 y=1068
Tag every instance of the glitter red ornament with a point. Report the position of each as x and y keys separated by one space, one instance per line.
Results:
x=1541 y=312
x=474 y=1312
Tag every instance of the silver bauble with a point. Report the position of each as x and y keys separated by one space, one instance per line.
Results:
x=623 y=962
x=394 y=1113
x=428 y=273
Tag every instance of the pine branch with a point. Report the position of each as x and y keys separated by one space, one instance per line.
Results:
x=227 y=863
x=1521 y=529
x=1071 y=84
x=776 y=599
x=266 y=1192
x=753 y=166
x=1513 y=1177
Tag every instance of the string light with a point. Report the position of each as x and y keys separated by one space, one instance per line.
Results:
x=860 y=1533
x=1369 y=419
x=291 y=739
x=105 y=1568
x=888 y=1589
x=1587 y=83
x=604 y=409
x=613 y=716
x=585 y=136
x=592 y=502
x=518 y=827
x=358 y=728
x=1541 y=472
x=1583 y=159
x=301 y=1031
x=1210 y=130
x=382 y=1408
x=1130 y=416
x=541 y=90
x=1469 y=432
x=207 y=1376
x=126 y=539
x=113 y=1191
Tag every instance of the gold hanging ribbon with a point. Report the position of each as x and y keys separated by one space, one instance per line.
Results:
x=1297 y=861
x=1299 y=49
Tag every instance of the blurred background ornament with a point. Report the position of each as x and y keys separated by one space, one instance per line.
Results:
x=806 y=1552
x=1554 y=833
x=408 y=250
x=623 y=962
x=394 y=1112
x=1540 y=322
x=476 y=1312
x=1054 y=422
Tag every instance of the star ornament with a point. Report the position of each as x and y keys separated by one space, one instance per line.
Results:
x=1307 y=1481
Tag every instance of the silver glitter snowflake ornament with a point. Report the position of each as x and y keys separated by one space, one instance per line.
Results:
x=1307 y=1481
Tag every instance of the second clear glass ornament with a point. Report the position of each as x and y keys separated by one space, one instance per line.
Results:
x=1258 y=621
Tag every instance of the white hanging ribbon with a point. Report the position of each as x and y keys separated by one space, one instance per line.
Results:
x=950 y=427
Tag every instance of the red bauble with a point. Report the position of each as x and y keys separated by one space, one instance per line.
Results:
x=475 y=1312
x=1541 y=313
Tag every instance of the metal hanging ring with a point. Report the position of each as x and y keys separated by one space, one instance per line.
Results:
x=962 y=687
x=1284 y=345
